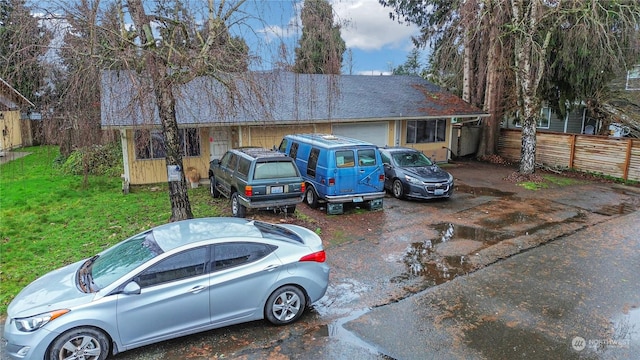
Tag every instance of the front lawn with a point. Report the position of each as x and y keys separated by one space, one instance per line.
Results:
x=49 y=219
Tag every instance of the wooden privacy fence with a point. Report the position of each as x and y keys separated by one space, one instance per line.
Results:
x=616 y=157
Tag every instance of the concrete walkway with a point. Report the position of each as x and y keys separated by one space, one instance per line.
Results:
x=6 y=156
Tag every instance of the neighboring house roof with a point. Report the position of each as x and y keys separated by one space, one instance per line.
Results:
x=10 y=98
x=280 y=98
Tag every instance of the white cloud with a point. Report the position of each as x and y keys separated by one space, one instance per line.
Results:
x=366 y=25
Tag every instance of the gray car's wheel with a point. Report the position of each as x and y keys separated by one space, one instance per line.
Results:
x=398 y=189
x=285 y=305
x=81 y=343
x=237 y=209
x=212 y=187
x=311 y=198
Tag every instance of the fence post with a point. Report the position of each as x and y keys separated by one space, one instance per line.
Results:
x=627 y=160
x=572 y=154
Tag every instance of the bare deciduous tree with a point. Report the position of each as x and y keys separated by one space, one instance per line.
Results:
x=23 y=41
x=167 y=46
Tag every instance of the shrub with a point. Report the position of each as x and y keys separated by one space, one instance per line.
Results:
x=96 y=160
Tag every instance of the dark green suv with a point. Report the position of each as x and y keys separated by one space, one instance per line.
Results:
x=256 y=178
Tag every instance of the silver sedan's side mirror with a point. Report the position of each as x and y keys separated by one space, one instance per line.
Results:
x=132 y=288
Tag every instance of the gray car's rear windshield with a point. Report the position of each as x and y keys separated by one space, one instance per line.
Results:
x=275 y=170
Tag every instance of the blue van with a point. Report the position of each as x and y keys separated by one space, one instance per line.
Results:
x=337 y=170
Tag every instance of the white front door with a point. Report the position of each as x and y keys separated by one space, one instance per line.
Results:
x=219 y=140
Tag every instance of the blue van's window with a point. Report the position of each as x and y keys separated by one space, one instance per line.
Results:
x=345 y=158
x=283 y=146
x=367 y=157
x=294 y=150
x=313 y=162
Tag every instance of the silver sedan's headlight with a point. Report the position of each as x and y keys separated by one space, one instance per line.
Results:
x=450 y=178
x=35 y=322
x=412 y=180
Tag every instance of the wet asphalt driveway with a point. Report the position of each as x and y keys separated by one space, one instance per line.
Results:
x=496 y=272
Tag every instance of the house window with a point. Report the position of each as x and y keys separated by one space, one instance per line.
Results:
x=426 y=131
x=543 y=120
x=633 y=78
x=150 y=143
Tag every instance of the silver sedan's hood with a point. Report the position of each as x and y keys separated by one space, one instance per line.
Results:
x=53 y=291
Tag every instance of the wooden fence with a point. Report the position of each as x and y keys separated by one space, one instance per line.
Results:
x=616 y=157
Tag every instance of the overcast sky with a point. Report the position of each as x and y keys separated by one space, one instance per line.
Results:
x=377 y=42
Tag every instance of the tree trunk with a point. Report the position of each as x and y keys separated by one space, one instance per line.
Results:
x=178 y=195
x=162 y=88
x=528 y=150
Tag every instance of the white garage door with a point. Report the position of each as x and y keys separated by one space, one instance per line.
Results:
x=373 y=132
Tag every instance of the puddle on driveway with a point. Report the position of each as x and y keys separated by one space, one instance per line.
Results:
x=444 y=257
x=617 y=209
x=482 y=191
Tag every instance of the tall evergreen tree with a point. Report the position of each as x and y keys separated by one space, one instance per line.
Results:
x=321 y=46
x=412 y=66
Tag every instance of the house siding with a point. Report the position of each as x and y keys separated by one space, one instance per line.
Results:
x=437 y=151
x=11 y=127
x=152 y=171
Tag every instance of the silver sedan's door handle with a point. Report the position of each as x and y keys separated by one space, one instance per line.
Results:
x=271 y=267
x=197 y=289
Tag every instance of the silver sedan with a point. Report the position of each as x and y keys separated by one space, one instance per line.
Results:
x=170 y=281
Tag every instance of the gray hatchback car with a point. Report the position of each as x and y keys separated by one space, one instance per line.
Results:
x=170 y=281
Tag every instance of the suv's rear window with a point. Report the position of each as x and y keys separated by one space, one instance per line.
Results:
x=275 y=170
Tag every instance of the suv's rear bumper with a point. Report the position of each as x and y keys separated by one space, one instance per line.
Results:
x=354 y=198
x=263 y=204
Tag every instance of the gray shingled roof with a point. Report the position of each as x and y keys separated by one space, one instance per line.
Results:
x=280 y=98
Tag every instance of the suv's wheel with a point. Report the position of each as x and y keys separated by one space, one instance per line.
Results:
x=311 y=197
x=285 y=305
x=237 y=209
x=290 y=209
x=212 y=187
x=81 y=343
x=398 y=189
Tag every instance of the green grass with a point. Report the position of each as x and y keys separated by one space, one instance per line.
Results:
x=549 y=179
x=49 y=219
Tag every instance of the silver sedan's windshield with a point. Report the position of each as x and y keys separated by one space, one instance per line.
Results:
x=122 y=258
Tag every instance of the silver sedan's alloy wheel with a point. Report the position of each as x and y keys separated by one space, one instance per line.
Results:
x=285 y=305
x=80 y=344
x=398 y=190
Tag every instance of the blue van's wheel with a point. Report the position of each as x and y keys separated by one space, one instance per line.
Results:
x=311 y=197
x=237 y=209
